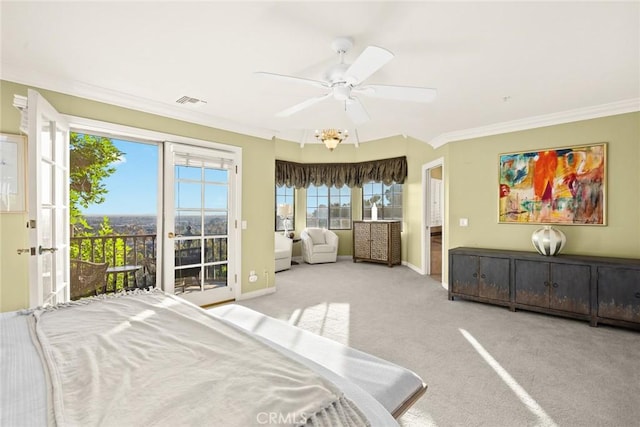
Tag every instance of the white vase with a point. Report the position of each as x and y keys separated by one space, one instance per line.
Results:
x=374 y=212
x=548 y=240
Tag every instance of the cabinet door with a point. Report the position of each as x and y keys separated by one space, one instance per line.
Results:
x=494 y=278
x=569 y=289
x=380 y=241
x=532 y=283
x=619 y=293
x=464 y=270
x=361 y=240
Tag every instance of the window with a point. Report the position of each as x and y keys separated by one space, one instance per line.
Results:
x=329 y=207
x=388 y=199
x=285 y=195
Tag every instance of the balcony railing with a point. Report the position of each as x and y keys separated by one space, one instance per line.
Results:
x=130 y=260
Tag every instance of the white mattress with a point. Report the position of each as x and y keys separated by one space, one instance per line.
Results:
x=23 y=400
x=388 y=383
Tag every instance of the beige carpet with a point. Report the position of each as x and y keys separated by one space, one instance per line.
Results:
x=484 y=365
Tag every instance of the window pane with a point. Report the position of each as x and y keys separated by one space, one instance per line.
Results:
x=215 y=196
x=388 y=199
x=340 y=212
x=285 y=195
x=188 y=173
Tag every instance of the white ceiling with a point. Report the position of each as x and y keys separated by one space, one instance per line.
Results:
x=497 y=66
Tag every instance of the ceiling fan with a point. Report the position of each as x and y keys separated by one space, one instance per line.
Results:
x=344 y=81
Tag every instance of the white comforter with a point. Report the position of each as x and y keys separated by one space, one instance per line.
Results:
x=152 y=359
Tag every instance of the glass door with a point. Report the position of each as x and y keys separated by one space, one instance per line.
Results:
x=48 y=203
x=199 y=186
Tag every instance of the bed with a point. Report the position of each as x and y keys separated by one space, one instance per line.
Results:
x=150 y=358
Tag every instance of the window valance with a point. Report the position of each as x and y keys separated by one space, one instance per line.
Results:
x=301 y=175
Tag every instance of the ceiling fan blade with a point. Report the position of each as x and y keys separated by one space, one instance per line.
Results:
x=400 y=93
x=301 y=106
x=283 y=77
x=369 y=61
x=356 y=111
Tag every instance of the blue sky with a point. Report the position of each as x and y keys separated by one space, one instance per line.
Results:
x=133 y=188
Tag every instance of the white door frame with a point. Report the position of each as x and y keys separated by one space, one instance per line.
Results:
x=124 y=132
x=426 y=186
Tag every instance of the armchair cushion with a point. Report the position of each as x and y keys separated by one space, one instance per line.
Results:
x=317 y=236
x=319 y=245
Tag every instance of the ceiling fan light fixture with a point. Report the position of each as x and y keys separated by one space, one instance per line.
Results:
x=331 y=137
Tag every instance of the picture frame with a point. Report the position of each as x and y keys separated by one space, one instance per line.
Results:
x=12 y=174
x=564 y=186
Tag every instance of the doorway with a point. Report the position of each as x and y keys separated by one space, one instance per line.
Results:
x=433 y=219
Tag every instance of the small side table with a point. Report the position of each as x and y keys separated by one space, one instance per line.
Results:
x=295 y=240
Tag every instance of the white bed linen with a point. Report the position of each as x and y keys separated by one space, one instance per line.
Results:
x=388 y=383
x=23 y=394
x=22 y=385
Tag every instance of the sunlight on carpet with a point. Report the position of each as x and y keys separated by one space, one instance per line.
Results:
x=330 y=320
x=414 y=417
x=543 y=418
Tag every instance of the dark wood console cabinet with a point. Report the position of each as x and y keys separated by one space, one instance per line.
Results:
x=597 y=289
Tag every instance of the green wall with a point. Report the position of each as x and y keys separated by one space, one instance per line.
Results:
x=257 y=182
x=470 y=181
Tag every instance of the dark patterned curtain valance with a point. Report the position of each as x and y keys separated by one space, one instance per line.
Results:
x=300 y=175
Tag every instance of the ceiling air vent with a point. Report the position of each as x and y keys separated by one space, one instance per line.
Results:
x=189 y=100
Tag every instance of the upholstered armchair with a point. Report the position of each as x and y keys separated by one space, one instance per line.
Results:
x=319 y=245
x=283 y=247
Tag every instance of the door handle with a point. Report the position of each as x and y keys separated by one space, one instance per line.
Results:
x=42 y=250
x=171 y=235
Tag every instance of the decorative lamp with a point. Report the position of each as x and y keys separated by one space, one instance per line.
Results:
x=332 y=137
x=284 y=211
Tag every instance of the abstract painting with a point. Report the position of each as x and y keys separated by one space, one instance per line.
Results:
x=554 y=186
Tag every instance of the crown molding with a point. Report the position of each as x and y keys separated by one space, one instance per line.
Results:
x=124 y=100
x=587 y=113
x=121 y=99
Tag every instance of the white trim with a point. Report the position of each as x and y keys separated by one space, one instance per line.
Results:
x=121 y=99
x=587 y=113
x=138 y=134
x=96 y=93
x=255 y=294
x=413 y=267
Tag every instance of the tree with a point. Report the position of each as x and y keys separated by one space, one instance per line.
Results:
x=91 y=160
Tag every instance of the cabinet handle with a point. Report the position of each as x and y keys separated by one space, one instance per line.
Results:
x=555 y=285
x=546 y=283
x=475 y=275
x=483 y=276
x=637 y=294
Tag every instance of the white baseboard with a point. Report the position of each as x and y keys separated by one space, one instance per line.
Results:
x=413 y=267
x=258 y=293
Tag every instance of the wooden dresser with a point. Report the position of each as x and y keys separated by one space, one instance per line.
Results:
x=593 y=288
x=377 y=241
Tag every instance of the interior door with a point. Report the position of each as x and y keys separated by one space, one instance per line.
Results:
x=48 y=203
x=199 y=221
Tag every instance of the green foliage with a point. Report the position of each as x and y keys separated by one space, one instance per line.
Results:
x=108 y=248
x=91 y=160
